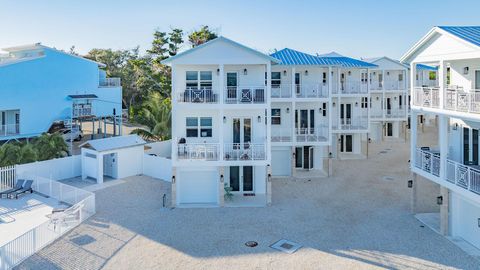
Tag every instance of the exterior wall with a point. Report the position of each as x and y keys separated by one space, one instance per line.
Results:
x=55 y=169
x=464 y=217
x=157 y=167
x=39 y=89
x=130 y=161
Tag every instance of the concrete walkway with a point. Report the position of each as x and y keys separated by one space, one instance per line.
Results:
x=358 y=219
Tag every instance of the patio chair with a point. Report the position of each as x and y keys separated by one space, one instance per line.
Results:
x=65 y=215
x=26 y=188
x=17 y=186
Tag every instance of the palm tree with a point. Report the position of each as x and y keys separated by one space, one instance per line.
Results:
x=155 y=114
x=50 y=146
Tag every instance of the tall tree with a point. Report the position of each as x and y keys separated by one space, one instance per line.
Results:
x=202 y=35
x=159 y=50
x=50 y=146
x=175 y=38
x=156 y=115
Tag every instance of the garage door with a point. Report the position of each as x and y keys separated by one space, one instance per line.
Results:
x=197 y=187
x=465 y=220
x=281 y=162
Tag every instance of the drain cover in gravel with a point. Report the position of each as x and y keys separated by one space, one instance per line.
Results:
x=383 y=152
x=286 y=246
x=388 y=178
x=251 y=244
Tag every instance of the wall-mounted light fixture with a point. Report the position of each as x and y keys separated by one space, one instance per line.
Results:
x=319 y=110
x=173 y=179
x=224 y=119
x=410 y=183
x=306 y=72
x=288 y=110
x=245 y=71
x=374 y=73
x=259 y=119
x=349 y=73
x=218 y=71
x=330 y=155
x=388 y=73
x=356 y=104
x=339 y=140
x=221 y=178
x=440 y=200
x=369 y=140
x=378 y=98
x=465 y=70
x=284 y=73
x=455 y=127
x=395 y=98
x=333 y=104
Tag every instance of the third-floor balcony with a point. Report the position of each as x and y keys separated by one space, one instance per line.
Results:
x=355 y=123
x=426 y=97
x=350 y=87
x=245 y=95
x=196 y=95
x=460 y=100
x=109 y=82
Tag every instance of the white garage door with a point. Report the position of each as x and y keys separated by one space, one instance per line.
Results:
x=197 y=187
x=281 y=163
x=465 y=220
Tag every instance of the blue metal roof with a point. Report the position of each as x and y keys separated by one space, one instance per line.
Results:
x=292 y=57
x=468 y=33
x=425 y=67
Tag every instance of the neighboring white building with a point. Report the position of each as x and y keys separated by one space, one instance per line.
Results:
x=455 y=103
x=220 y=124
x=41 y=85
x=389 y=98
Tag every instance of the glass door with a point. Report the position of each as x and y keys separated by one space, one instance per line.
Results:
x=242 y=132
x=346 y=143
x=241 y=179
x=232 y=86
x=346 y=113
x=477 y=79
x=298 y=84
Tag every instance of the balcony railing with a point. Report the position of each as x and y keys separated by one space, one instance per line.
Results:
x=357 y=123
x=282 y=91
x=9 y=130
x=110 y=82
x=426 y=97
x=395 y=113
x=195 y=95
x=311 y=90
x=319 y=134
x=394 y=85
x=245 y=95
x=281 y=134
x=376 y=86
x=462 y=101
x=464 y=176
x=199 y=151
x=82 y=110
x=244 y=151
x=348 y=87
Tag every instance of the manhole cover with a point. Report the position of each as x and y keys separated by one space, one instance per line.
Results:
x=383 y=152
x=251 y=244
x=286 y=246
x=388 y=178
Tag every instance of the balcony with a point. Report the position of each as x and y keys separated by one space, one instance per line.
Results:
x=394 y=85
x=464 y=176
x=395 y=113
x=198 y=151
x=244 y=151
x=82 y=110
x=457 y=99
x=350 y=87
x=311 y=90
x=9 y=130
x=357 y=123
x=312 y=134
x=195 y=95
x=109 y=82
x=426 y=97
x=282 y=91
x=245 y=95
x=281 y=134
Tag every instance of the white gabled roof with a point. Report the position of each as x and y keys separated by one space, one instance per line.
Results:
x=220 y=38
x=376 y=59
x=113 y=143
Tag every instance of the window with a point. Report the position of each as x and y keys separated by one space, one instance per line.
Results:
x=400 y=77
x=432 y=76
x=276 y=119
x=364 y=102
x=364 y=77
x=199 y=126
x=324 y=77
x=196 y=80
x=400 y=101
x=276 y=79
x=324 y=109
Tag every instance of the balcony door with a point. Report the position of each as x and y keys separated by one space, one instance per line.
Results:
x=241 y=179
x=346 y=113
x=242 y=132
x=477 y=79
x=389 y=105
x=232 y=85
x=298 y=90
x=346 y=143
x=470 y=146
x=305 y=121
x=304 y=157
x=389 y=129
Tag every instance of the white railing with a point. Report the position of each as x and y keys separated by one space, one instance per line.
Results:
x=319 y=134
x=426 y=97
x=245 y=95
x=427 y=83
x=456 y=173
x=9 y=129
x=356 y=123
x=195 y=95
x=394 y=85
x=376 y=86
x=314 y=90
x=81 y=206
x=395 y=113
x=282 y=91
x=8 y=177
x=244 y=151
x=110 y=82
x=281 y=134
x=350 y=87
x=199 y=151
x=462 y=101
x=80 y=110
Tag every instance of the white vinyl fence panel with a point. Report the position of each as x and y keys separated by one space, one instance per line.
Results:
x=7 y=177
x=56 y=169
x=157 y=167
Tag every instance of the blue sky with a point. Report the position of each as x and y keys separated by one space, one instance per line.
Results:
x=364 y=28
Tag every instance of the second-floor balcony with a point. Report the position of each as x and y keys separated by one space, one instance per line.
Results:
x=244 y=151
x=464 y=176
x=318 y=134
x=457 y=99
x=199 y=151
x=350 y=87
x=426 y=97
x=388 y=113
x=196 y=95
x=388 y=85
x=109 y=82
x=355 y=123
x=9 y=130
x=212 y=151
x=245 y=95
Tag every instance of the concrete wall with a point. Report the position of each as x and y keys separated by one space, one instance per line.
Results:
x=157 y=167
x=55 y=169
x=130 y=161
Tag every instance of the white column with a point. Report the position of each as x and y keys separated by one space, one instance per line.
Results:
x=413 y=72
x=443 y=142
x=99 y=168
x=338 y=100
x=269 y=112
x=413 y=137
x=329 y=112
x=369 y=101
x=444 y=224
x=442 y=79
x=175 y=95
x=221 y=113
x=294 y=93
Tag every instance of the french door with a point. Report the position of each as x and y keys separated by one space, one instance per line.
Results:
x=304 y=157
x=241 y=179
x=242 y=131
x=470 y=146
x=346 y=113
x=389 y=129
x=477 y=79
x=232 y=85
x=346 y=143
x=305 y=121
x=298 y=90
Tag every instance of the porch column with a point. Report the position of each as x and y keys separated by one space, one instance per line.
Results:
x=413 y=201
x=413 y=79
x=445 y=193
x=293 y=155
x=329 y=111
x=413 y=137
x=222 y=89
x=294 y=127
x=442 y=79
x=339 y=87
x=269 y=185
x=221 y=186
x=294 y=92
x=443 y=143
x=93 y=129
x=174 y=186
x=99 y=168
x=268 y=107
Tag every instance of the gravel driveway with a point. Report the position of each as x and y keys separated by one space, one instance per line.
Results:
x=358 y=219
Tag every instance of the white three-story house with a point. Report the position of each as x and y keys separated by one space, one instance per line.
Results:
x=454 y=100
x=220 y=125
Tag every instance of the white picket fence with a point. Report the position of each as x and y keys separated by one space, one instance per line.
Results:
x=25 y=245
x=7 y=177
